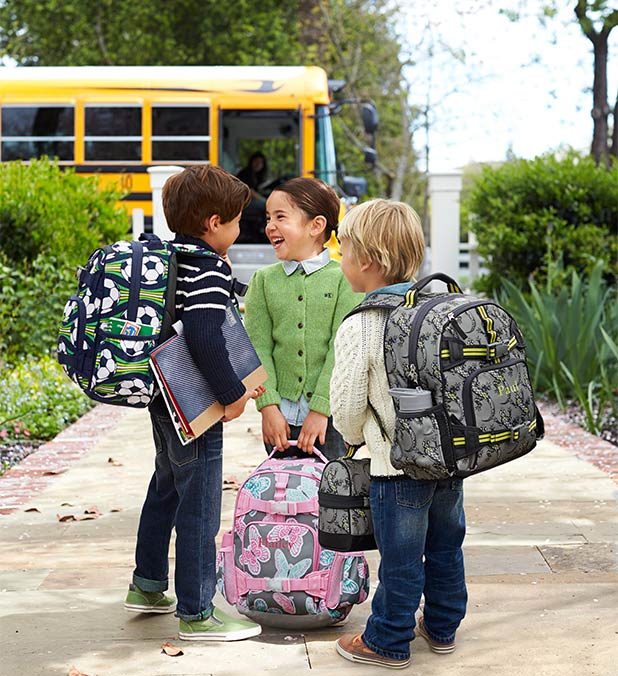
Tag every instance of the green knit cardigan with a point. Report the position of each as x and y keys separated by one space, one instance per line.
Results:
x=292 y=322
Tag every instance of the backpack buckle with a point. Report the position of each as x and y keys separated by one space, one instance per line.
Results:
x=499 y=350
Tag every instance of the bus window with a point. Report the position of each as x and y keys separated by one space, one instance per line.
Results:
x=275 y=134
x=113 y=133
x=180 y=133
x=33 y=131
x=325 y=160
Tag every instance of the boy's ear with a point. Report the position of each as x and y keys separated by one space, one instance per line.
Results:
x=212 y=223
x=318 y=225
x=365 y=265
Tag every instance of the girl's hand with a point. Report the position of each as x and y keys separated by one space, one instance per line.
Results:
x=314 y=427
x=275 y=428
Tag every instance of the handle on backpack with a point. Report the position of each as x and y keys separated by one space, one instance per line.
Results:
x=412 y=294
x=452 y=285
x=293 y=442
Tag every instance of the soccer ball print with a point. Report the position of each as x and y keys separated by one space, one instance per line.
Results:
x=111 y=297
x=107 y=366
x=135 y=390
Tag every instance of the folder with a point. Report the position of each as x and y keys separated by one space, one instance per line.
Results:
x=188 y=395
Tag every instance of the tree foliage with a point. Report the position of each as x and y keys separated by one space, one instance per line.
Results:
x=152 y=32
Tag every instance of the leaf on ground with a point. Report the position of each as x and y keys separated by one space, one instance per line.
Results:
x=76 y=672
x=52 y=472
x=116 y=509
x=67 y=504
x=171 y=650
x=113 y=462
x=231 y=484
x=33 y=509
x=89 y=514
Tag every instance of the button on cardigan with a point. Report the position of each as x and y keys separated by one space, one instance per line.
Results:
x=292 y=322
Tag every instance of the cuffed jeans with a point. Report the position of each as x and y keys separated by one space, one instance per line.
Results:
x=185 y=493
x=419 y=528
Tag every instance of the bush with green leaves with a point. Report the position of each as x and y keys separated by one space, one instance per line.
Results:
x=571 y=333
x=37 y=396
x=529 y=213
x=51 y=220
x=45 y=209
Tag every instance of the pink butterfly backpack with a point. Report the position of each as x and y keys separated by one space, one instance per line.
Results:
x=270 y=565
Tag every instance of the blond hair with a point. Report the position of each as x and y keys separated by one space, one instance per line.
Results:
x=388 y=233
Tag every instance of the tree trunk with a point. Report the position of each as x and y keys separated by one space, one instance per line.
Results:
x=600 y=107
x=600 y=148
x=614 y=149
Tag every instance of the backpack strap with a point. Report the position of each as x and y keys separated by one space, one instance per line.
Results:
x=380 y=301
x=353 y=448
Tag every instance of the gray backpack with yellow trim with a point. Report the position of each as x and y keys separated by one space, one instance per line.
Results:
x=470 y=354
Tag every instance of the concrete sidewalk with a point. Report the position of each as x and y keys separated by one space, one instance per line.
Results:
x=540 y=558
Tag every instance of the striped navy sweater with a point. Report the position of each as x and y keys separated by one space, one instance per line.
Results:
x=203 y=288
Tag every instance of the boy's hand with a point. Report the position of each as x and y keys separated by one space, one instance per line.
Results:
x=275 y=428
x=314 y=427
x=236 y=408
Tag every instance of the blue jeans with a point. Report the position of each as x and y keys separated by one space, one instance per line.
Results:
x=185 y=493
x=419 y=528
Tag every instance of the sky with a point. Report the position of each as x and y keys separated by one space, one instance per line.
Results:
x=521 y=89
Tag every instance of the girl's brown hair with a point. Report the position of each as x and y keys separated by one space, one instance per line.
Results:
x=315 y=198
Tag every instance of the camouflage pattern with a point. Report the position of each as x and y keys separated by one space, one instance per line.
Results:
x=346 y=477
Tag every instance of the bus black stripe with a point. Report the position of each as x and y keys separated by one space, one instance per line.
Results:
x=112 y=168
x=137 y=196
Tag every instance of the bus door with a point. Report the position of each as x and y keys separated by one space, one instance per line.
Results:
x=275 y=134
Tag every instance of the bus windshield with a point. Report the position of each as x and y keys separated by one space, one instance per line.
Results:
x=275 y=136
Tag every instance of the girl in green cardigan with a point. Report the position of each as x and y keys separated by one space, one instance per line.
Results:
x=292 y=312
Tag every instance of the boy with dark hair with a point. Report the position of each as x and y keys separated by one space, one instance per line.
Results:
x=202 y=205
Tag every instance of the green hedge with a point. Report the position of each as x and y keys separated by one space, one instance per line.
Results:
x=51 y=220
x=45 y=209
x=528 y=214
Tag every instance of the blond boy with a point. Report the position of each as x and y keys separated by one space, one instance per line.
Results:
x=419 y=525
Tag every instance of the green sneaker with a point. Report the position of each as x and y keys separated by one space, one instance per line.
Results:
x=218 y=627
x=139 y=601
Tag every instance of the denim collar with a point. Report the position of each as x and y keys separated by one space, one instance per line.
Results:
x=309 y=265
x=400 y=289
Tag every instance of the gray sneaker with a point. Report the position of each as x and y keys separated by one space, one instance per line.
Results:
x=218 y=627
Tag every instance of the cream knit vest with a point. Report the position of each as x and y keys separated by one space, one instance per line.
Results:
x=359 y=376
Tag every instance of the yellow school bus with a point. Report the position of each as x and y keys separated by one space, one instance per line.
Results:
x=116 y=122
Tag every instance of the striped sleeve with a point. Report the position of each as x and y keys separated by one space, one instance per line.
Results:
x=203 y=289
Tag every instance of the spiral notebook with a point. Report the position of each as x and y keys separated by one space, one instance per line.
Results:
x=189 y=398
